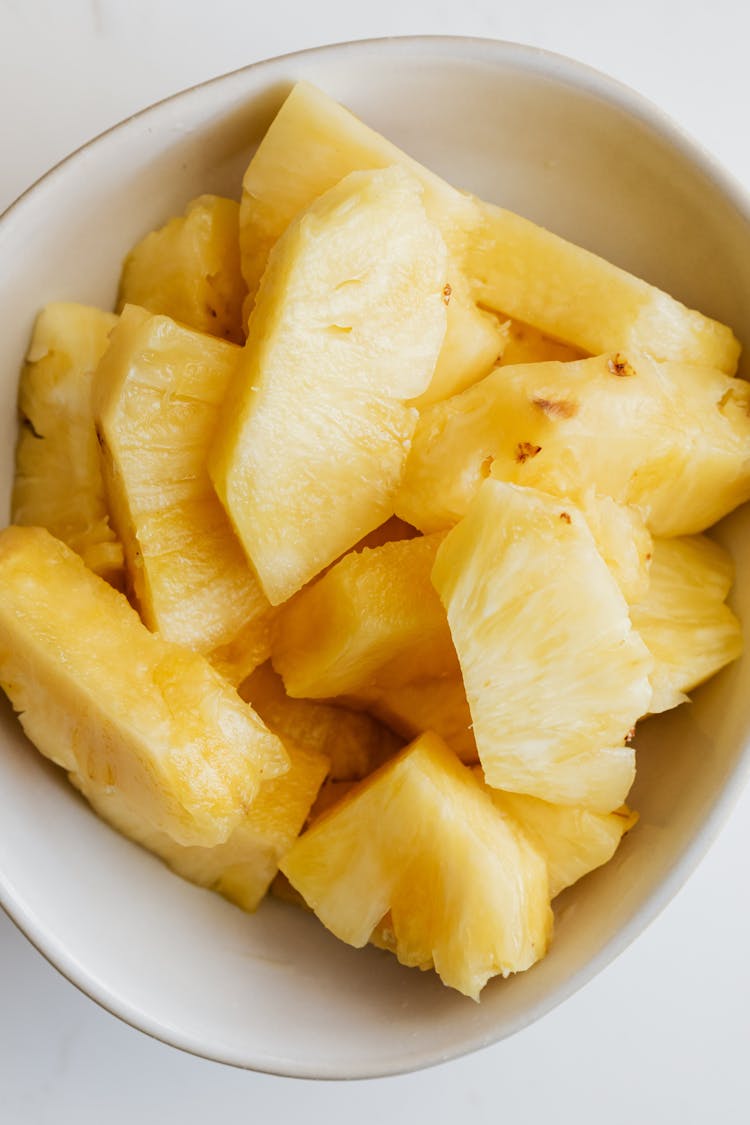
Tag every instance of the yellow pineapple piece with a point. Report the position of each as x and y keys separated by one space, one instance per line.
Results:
x=242 y=867
x=555 y=675
x=419 y=705
x=58 y=482
x=682 y=617
x=353 y=742
x=524 y=344
x=373 y=619
x=157 y=395
x=572 y=841
x=190 y=269
x=119 y=706
x=340 y=336
x=422 y=841
x=532 y=275
x=622 y=540
x=672 y=440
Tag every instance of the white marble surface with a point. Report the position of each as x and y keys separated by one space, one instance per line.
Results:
x=663 y=1034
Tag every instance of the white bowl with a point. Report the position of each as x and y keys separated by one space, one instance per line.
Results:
x=568 y=148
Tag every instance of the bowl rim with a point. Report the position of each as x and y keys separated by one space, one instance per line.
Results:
x=617 y=95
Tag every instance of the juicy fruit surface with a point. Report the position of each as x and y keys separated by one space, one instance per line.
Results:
x=374 y=618
x=669 y=439
x=190 y=270
x=419 y=705
x=58 y=482
x=555 y=675
x=340 y=336
x=402 y=842
x=683 y=618
x=106 y=699
x=157 y=395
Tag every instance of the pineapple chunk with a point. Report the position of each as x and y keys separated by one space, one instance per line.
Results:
x=555 y=675
x=439 y=705
x=524 y=344
x=353 y=742
x=622 y=540
x=566 y=292
x=242 y=867
x=190 y=269
x=58 y=482
x=683 y=620
x=672 y=440
x=572 y=841
x=111 y=702
x=340 y=336
x=374 y=618
x=157 y=395
x=465 y=890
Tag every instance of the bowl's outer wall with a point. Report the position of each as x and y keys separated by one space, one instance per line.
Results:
x=275 y=992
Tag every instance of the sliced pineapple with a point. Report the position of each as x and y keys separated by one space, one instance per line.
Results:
x=373 y=619
x=672 y=440
x=682 y=617
x=573 y=841
x=340 y=336
x=555 y=675
x=566 y=292
x=58 y=482
x=190 y=269
x=419 y=705
x=353 y=742
x=402 y=842
x=111 y=702
x=242 y=867
x=524 y=344
x=622 y=540
x=157 y=395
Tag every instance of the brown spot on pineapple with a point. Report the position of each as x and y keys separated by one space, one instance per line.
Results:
x=630 y=735
x=486 y=465
x=525 y=450
x=565 y=517
x=556 y=407
x=447 y=291
x=620 y=365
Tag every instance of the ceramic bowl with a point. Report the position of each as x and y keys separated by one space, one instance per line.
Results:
x=570 y=149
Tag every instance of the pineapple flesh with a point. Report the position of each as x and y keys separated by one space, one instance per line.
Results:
x=419 y=705
x=190 y=270
x=555 y=675
x=58 y=482
x=373 y=619
x=340 y=336
x=672 y=440
x=107 y=700
x=683 y=618
x=401 y=842
x=157 y=394
x=524 y=344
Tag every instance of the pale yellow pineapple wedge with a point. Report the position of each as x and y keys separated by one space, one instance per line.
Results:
x=58 y=482
x=422 y=841
x=682 y=617
x=566 y=292
x=242 y=867
x=373 y=619
x=572 y=841
x=190 y=269
x=419 y=705
x=119 y=706
x=622 y=539
x=353 y=742
x=672 y=440
x=555 y=675
x=341 y=335
x=157 y=394
x=524 y=344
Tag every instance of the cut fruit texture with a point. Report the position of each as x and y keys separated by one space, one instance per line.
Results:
x=157 y=394
x=353 y=742
x=373 y=619
x=402 y=842
x=524 y=344
x=682 y=617
x=528 y=273
x=242 y=867
x=341 y=335
x=439 y=705
x=58 y=482
x=555 y=675
x=671 y=439
x=622 y=540
x=190 y=270
x=111 y=702
x=572 y=841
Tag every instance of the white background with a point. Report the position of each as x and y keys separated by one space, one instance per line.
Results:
x=664 y=1034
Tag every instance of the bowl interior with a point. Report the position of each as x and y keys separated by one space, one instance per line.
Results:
x=567 y=148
